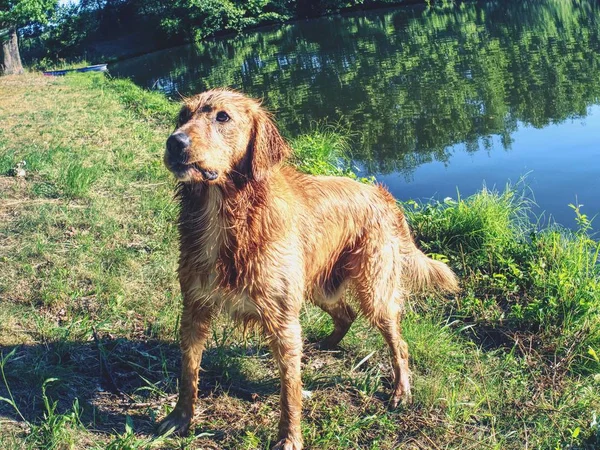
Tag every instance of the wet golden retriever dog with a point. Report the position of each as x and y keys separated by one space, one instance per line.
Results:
x=257 y=237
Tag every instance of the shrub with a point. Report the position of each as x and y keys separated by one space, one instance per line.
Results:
x=473 y=229
x=514 y=276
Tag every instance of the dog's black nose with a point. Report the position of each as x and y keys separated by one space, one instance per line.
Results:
x=177 y=146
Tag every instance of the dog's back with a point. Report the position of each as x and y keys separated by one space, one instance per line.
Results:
x=339 y=221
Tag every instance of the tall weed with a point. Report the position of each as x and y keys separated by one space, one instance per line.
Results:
x=473 y=229
x=77 y=179
x=322 y=151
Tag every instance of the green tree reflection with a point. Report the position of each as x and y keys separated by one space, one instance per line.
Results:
x=410 y=82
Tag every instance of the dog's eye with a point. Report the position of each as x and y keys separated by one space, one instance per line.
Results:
x=184 y=115
x=222 y=116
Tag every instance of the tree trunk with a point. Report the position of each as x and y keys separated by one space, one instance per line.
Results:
x=11 y=58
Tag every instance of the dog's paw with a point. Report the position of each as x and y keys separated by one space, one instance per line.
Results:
x=404 y=399
x=327 y=344
x=288 y=444
x=177 y=422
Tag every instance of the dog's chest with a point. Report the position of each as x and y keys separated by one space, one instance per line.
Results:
x=235 y=302
x=203 y=232
x=202 y=268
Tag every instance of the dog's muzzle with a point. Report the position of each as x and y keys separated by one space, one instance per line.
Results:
x=177 y=156
x=177 y=148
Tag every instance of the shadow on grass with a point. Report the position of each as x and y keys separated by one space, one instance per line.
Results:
x=116 y=380
x=112 y=379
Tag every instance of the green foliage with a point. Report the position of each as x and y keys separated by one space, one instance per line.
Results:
x=487 y=223
x=10 y=400
x=197 y=19
x=322 y=151
x=544 y=281
x=20 y=13
x=55 y=431
x=145 y=104
x=71 y=27
x=129 y=441
x=76 y=178
x=564 y=277
x=7 y=162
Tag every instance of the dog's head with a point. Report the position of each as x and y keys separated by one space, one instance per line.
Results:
x=223 y=134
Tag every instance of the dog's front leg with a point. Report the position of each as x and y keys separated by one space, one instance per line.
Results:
x=286 y=344
x=194 y=330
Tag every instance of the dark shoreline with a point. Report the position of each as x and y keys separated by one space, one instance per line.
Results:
x=99 y=57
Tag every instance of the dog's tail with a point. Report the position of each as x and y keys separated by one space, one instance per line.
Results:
x=422 y=273
x=426 y=274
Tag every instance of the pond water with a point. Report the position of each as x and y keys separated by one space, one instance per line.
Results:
x=436 y=99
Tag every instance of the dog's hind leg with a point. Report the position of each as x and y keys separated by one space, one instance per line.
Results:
x=381 y=299
x=343 y=316
x=387 y=321
x=390 y=329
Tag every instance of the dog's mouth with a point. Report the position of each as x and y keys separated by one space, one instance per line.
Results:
x=189 y=172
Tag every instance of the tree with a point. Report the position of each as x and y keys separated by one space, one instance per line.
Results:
x=16 y=14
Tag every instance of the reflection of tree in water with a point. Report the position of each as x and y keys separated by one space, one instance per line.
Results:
x=410 y=82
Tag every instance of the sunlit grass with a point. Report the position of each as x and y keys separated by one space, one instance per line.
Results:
x=489 y=221
x=77 y=179
x=324 y=150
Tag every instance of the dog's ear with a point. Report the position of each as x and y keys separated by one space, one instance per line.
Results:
x=267 y=146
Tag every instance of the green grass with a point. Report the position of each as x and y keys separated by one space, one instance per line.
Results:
x=323 y=150
x=89 y=304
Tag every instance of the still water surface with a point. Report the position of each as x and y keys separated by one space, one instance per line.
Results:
x=437 y=99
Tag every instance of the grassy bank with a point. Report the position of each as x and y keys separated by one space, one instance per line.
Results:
x=89 y=305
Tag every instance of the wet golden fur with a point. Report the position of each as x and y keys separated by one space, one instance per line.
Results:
x=261 y=237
